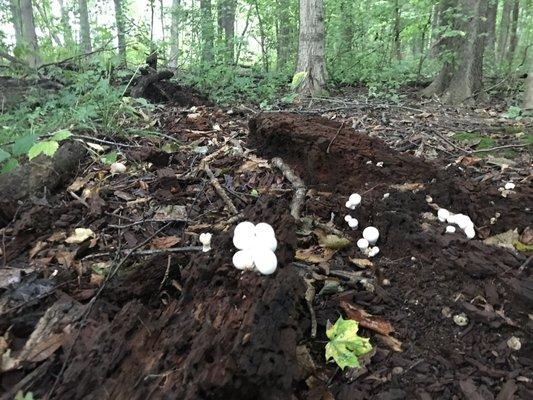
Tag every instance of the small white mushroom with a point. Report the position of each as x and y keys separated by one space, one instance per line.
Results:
x=371 y=234
x=244 y=235
x=265 y=261
x=263 y=229
x=386 y=196
x=514 y=343
x=450 y=229
x=509 y=186
x=460 y=319
x=348 y=218
x=117 y=168
x=463 y=221
x=372 y=252
x=205 y=239
x=443 y=214
x=353 y=223
x=379 y=164
x=451 y=218
x=353 y=201
x=243 y=259
x=362 y=244
x=470 y=232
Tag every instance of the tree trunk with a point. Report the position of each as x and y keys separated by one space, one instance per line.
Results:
x=503 y=38
x=513 y=40
x=46 y=22
x=121 y=30
x=490 y=44
x=175 y=33
x=28 y=32
x=311 y=47
x=467 y=79
x=283 y=33
x=262 y=41
x=16 y=19
x=435 y=25
x=65 y=24
x=226 y=21
x=162 y=18
x=528 y=96
x=85 y=27
x=347 y=26
x=207 y=31
x=396 y=33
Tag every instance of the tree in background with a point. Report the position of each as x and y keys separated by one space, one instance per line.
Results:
x=490 y=43
x=120 y=23
x=311 y=47
x=503 y=37
x=65 y=23
x=175 y=13
x=16 y=20
x=28 y=32
x=528 y=97
x=206 y=31
x=226 y=25
x=85 y=27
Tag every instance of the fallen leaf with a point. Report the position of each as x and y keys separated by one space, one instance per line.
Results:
x=9 y=276
x=171 y=213
x=362 y=262
x=77 y=185
x=391 y=342
x=37 y=248
x=468 y=161
x=527 y=236
x=408 y=187
x=65 y=258
x=505 y=239
x=124 y=195
x=165 y=242
x=366 y=320
x=331 y=241
x=80 y=235
x=253 y=163
x=314 y=255
x=59 y=236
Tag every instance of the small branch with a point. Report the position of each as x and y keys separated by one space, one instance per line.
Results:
x=216 y=185
x=297 y=183
x=335 y=137
x=148 y=252
x=508 y=146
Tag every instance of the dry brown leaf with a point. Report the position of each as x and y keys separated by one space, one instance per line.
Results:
x=165 y=242
x=406 y=187
x=253 y=163
x=362 y=262
x=527 y=236
x=171 y=213
x=366 y=320
x=78 y=184
x=468 y=161
x=65 y=258
x=391 y=342
x=315 y=254
x=37 y=248
x=80 y=235
x=58 y=236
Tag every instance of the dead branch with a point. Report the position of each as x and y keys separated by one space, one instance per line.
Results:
x=297 y=183
x=216 y=185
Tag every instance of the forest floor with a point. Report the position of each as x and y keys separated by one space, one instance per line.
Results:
x=129 y=307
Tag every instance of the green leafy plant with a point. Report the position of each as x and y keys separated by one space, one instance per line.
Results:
x=513 y=112
x=298 y=79
x=21 y=396
x=345 y=346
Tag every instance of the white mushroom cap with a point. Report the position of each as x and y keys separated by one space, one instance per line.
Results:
x=450 y=229
x=205 y=239
x=470 y=232
x=373 y=251
x=451 y=219
x=371 y=234
x=265 y=241
x=463 y=221
x=355 y=199
x=243 y=259
x=350 y=205
x=443 y=214
x=362 y=244
x=263 y=229
x=244 y=235
x=117 y=168
x=353 y=223
x=348 y=218
x=265 y=261
x=509 y=186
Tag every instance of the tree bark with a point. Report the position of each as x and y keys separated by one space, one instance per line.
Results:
x=283 y=33
x=311 y=47
x=175 y=33
x=503 y=37
x=162 y=18
x=528 y=96
x=490 y=44
x=467 y=79
x=396 y=33
x=28 y=32
x=226 y=21
x=121 y=30
x=65 y=24
x=207 y=31
x=85 y=27
x=513 y=39
x=16 y=19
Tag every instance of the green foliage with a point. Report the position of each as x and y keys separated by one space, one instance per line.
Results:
x=47 y=147
x=21 y=396
x=298 y=79
x=345 y=346
x=514 y=113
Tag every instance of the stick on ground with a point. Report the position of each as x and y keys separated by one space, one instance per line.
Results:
x=299 y=187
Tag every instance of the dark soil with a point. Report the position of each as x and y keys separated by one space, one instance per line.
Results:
x=187 y=325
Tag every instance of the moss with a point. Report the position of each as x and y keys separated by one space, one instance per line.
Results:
x=484 y=142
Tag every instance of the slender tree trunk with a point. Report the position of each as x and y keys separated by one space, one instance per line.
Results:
x=65 y=24
x=490 y=43
x=175 y=33
x=283 y=33
x=311 y=47
x=435 y=26
x=85 y=27
x=347 y=26
x=226 y=23
x=121 y=30
x=396 y=33
x=513 y=39
x=162 y=18
x=528 y=97
x=28 y=32
x=262 y=33
x=207 y=31
x=467 y=80
x=503 y=37
x=47 y=24
x=16 y=19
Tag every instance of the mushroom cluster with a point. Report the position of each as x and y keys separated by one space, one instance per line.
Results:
x=370 y=233
x=461 y=220
x=256 y=245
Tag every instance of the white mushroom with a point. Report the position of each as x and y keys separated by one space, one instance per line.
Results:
x=443 y=214
x=244 y=235
x=243 y=259
x=265 y=261
x=205 y=239
x=450 y=229
x=371 y=234
x=117 y=168
x=509 y=186
x=514 y=343
x=362 y=244
x=470 y=232
x=463 y=221
x=373 y=251
x=353 y=223
x=263 y=229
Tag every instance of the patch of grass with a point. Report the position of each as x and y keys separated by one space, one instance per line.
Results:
x=527 y=139
x=484 y=142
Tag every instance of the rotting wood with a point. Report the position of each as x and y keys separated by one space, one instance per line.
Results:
x=299 y=187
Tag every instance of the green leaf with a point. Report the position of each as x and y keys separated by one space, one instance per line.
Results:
x=10 y=165
x=297 y=79
x=61 y=135
x=513 y=112
x=345 y=346
x=48 y=147
x=23 y=145
x=4 y=155
x=110 y=158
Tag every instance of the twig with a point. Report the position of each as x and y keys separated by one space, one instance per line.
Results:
x=335 y=137
x=299 y=187
x=216 y=185
x=525 y=264
x=148 y=252
x=501 y=147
